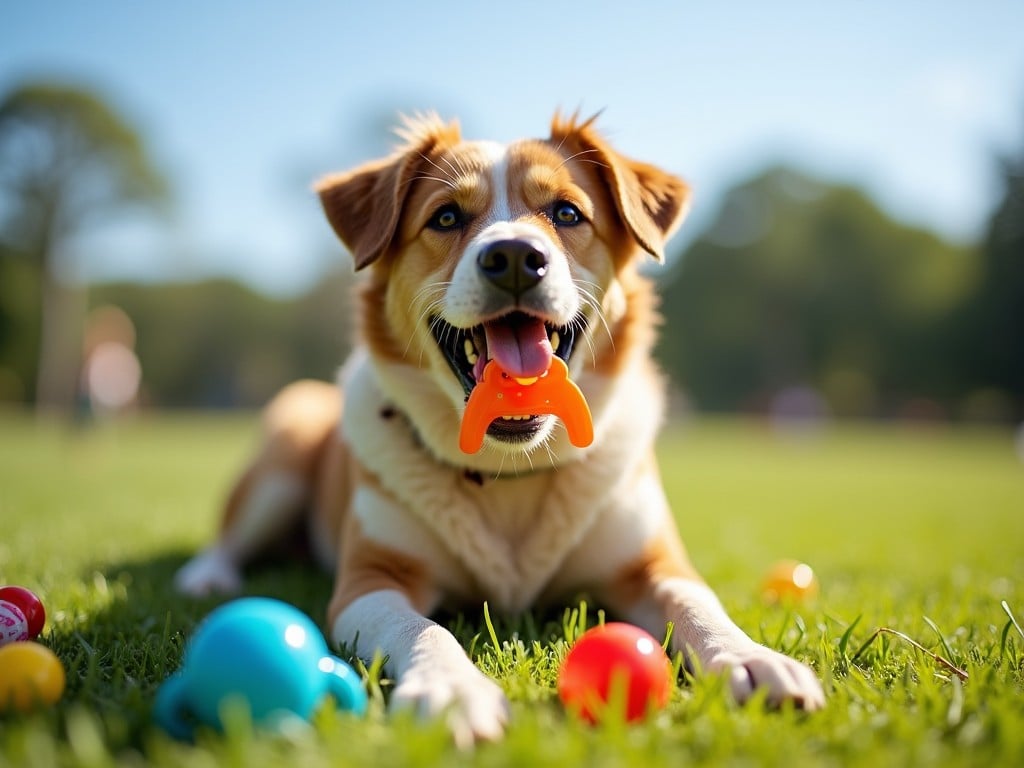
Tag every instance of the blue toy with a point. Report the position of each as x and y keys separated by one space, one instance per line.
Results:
x=263 y=652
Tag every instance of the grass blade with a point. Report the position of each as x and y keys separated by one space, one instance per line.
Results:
x=1006 y=608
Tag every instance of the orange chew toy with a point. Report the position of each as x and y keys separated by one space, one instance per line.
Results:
x=499 y=394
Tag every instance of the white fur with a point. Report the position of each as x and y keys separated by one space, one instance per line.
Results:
x=434 y=674
x=512 y=538
x=212 y=572
x=273 y=503
x=704 y=630
x=497 y=157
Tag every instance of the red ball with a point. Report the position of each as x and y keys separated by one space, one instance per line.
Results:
x=615 y=660
x=30 y=606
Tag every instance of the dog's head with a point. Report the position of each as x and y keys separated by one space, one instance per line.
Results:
x=514 y=252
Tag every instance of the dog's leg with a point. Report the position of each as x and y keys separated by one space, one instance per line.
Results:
x=381 y=600
x=264 y=504
x=703 y=628
x=272 y=493
x=661 y=586
x=434 y=674
x=634 y=549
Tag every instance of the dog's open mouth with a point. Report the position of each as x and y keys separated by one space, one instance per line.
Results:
x=523 y=346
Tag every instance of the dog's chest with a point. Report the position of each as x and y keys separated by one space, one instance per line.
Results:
x=526 y=528
x=510 y=535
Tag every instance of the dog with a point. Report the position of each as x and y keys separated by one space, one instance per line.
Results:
x=521 y=253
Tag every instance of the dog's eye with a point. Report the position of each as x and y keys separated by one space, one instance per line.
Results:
x=567 y=214
x=446 y=217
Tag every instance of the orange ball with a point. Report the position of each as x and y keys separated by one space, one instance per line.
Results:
x=789 y=581
x=30 y=674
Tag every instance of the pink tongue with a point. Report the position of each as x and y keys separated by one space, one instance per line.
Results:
x=520 y=346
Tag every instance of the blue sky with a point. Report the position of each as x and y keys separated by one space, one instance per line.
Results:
x=245 y=103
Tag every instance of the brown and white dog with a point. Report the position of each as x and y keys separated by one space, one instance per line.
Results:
x=479 y=250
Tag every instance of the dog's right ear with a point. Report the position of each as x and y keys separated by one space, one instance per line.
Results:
x=650 y=201
x=363 y=205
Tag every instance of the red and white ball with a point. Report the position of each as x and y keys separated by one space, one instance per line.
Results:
x=22 y=615
x=13 y=624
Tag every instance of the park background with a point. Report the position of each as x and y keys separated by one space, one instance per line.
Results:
x=844 y=327
x=855 y=249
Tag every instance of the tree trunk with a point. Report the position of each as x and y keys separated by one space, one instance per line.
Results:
x=60 y=332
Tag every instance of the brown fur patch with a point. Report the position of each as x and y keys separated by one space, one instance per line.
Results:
x=363 y=206
x=367 y=566
x=333 y=491
x=633 y=336
x=650 y=202
x=663 y=558
x=297 y=424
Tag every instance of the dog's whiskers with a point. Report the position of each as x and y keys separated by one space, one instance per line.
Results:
x=529 y=460
x=598 y=163
x=591 y=301
x=439 y=289
x=428 y=177
x=447 y=175
x=578 y=155
x=447 y=332
x=501 y=466
x=551 y=454
x=561 y=143
x=457 y=169
x=440 y=285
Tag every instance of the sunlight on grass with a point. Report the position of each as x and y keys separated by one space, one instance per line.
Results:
x=915 y=530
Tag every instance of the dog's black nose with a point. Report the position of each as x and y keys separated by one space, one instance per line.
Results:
x=513 y=265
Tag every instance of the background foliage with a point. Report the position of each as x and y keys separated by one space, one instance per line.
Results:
x=802 y=296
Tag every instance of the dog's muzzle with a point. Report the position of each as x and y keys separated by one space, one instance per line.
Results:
x=514 y=266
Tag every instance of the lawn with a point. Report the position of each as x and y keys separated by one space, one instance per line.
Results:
x=915 y=529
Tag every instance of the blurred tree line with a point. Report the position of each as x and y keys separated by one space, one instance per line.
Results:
x=798 y=285
x=67 y=159
x=803 y=286
x=220 y=344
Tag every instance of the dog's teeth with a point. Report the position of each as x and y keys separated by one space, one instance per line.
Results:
x=470 y=350
x=555 y=339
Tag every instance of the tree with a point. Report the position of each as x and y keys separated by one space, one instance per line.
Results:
x=218 y=343
x=802 y=283
x=992 y=323
x=67 y=159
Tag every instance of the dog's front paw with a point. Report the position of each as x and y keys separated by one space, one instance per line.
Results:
x=211 y=572
x=473 y=705
x=758 y=667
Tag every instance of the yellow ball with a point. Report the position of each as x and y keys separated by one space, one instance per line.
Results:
x=30 y=674
x=789 y=581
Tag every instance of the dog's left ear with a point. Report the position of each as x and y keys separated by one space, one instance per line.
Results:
x=651 y=202
x=363 y=205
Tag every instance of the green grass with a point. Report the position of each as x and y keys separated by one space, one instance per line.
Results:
x=918 y=530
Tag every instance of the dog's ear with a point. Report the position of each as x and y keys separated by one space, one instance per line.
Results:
x=651 y=202
x=363 y=205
